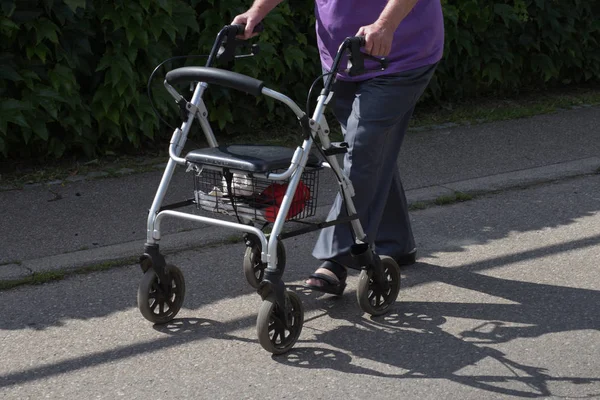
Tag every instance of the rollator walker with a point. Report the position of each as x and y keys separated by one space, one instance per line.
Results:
x=259 y=185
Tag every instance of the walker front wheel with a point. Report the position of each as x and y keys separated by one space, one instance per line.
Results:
x=254 y=268
x=371 y=298
x=276 y=335
x=156 y=304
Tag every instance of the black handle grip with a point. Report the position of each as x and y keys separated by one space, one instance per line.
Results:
x=239 y=29
x=228 y=41
x=357 y=58
x=361 y=40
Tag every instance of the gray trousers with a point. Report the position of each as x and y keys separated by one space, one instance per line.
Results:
x=374 y=116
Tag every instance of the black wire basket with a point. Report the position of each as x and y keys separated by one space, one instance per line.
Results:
x=245 y=196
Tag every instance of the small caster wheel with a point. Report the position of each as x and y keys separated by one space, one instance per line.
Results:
x=371 y=298
x=156 y=305
x=254 y=269
x=273 y=335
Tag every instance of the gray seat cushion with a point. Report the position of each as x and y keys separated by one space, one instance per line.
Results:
x=251 y=158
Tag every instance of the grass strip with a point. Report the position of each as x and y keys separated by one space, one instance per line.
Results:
x=39 y=278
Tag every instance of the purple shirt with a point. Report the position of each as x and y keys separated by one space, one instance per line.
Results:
x=418 y=41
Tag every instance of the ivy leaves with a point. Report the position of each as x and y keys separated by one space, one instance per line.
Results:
x=73 y=73
x=503 y=46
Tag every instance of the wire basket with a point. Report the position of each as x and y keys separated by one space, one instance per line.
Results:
x=254 y=198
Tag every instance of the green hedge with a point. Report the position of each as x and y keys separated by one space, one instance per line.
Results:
x=74 y=72
x=503 y=46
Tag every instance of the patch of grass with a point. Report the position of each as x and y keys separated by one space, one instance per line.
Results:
x=40 y=278
x=108 y=265
x=498 y=109
x=233 y=239
x=419 y=205
x=15 y=262
x=112 y=173
x=463 y=196
x=35 y=279
x=17 y=175
x=457 y=197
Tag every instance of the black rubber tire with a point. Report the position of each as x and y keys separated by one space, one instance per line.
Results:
x=270 y=329
x=153 y=303
x=254 y=269
x=369 y=297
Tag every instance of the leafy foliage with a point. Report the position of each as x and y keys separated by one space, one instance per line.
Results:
x=74 y=72
x=503 y=46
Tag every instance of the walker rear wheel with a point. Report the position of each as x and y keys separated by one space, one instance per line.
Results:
x=371 y=298
x=274 y=335
x=254 y=269
x=156 y=304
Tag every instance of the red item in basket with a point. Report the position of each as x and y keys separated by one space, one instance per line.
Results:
x=273 y=195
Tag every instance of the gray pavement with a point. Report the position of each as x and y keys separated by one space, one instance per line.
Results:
x=502 y=304
x=67 y=225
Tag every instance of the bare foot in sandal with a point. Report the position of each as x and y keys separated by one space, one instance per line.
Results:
x=320 y=282
x=329 y=278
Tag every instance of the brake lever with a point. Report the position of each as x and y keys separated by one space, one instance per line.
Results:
x=226 y=53
x=356 y=59
x=254 y=50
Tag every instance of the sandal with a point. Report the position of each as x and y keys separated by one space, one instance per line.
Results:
x=331 y=285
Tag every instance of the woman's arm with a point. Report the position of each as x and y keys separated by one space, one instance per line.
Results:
x=379 y=35
x=254 y=15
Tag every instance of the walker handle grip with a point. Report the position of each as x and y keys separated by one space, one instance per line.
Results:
x=356 y=60
x=239 y=29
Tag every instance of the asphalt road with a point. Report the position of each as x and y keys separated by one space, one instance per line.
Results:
x=504 y=303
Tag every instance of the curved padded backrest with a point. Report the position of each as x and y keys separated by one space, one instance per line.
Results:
x=216 y=76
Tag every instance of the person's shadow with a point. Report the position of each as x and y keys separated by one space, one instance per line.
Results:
x=543 y=308
x=411 y=336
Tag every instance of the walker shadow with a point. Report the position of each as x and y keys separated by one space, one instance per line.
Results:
x=545 y=308
x=411 y=336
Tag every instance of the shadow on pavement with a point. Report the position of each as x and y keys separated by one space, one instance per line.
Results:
x=544 y=308
x=411 y=337
x=413 y=331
